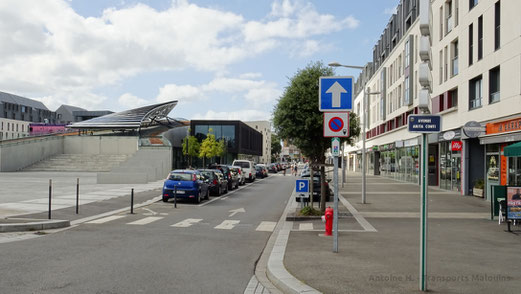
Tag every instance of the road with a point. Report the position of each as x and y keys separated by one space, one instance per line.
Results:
x=207 y=248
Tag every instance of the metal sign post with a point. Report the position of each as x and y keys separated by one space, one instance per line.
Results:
x=424 y=124
x=335 y=142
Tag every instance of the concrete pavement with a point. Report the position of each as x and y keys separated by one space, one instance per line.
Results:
x=379 y=245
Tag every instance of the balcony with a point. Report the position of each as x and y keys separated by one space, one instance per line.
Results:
x=494 y=97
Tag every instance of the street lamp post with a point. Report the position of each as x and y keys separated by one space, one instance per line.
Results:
x=367 y=92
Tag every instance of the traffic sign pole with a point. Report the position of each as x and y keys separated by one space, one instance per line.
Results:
x=335 y=215
x=423 y=218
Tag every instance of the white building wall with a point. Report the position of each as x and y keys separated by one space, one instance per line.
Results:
x=13 y=129
x=265 y=128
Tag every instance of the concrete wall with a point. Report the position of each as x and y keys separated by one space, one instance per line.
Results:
x=148 y=164
x=100 y=145
x=23 y=153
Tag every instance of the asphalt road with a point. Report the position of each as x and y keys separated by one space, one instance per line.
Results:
x=214 y=252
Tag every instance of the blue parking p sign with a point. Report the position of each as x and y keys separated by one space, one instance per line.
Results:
x=302 y=186
x=335 y=94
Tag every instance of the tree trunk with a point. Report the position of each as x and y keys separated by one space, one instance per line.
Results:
x=322 y=189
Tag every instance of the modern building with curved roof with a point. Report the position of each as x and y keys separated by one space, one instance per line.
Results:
x=133 y=119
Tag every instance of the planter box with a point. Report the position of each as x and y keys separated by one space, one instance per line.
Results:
x=477 y=192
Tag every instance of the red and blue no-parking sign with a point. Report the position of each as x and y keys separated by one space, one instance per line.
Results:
x=336 y=124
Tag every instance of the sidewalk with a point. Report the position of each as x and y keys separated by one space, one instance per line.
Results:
x=379 y=245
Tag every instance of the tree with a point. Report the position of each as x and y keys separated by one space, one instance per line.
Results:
x=297 y=119
x=191 y=147
x=211 y=147
x=276 y=148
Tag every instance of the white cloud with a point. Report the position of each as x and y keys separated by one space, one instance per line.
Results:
x=244 y=115
x=128 y=101
x=50 y=51
x=251 y=75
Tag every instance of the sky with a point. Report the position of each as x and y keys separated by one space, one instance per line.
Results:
x=228 y=59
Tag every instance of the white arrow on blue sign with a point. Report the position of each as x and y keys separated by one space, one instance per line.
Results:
x=302 y=186
x=335 y=94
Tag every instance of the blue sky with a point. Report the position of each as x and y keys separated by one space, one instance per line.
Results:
x=220 y=59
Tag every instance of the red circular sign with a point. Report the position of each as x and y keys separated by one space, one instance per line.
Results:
x=336 y=124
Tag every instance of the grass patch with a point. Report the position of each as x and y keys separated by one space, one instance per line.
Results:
x=308 y=210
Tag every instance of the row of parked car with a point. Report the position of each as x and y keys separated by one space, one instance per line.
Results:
x=217 y=179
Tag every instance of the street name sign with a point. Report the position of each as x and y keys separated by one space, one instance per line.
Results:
x=335 y=94
x=336 y=124
x=335 y=146
x=423 y=123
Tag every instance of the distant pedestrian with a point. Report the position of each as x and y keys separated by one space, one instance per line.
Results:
x=296 y=168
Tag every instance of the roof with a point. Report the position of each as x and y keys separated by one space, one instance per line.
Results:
x=14 y=99
x=136 y=118
x=69 y=108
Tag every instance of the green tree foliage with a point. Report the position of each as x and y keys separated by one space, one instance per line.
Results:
x=191 y=147
x=276 y=148
x=211 y=148
x=296 y=117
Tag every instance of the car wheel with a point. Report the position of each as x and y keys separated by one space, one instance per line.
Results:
x=219 y=191
x=198 y=198
x=207 y=196
x=165 y=199
x=237 y=185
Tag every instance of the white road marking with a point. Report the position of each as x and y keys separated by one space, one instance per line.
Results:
x=187 y=223
x=358 y=216
x=106 y=219
x=235 y=211
x=266 y=226
x=227 y=225
x=146 y=220
x=224 y=198
x=150 y=210
x=305 y=227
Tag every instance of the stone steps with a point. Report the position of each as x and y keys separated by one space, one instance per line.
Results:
x=80 y=162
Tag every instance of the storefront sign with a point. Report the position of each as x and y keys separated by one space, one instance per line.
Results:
x=449 y=135
x=398 y=144
x=456 y=145
x=473 y=129
x=511 y=125
x=411 y=142
x=514 y=203
x=503 y=167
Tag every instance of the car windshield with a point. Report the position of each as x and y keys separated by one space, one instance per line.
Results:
x=180 y=177
x=242 y=164
x=207 y=174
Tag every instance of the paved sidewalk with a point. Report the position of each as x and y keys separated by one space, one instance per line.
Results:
x=379 y=248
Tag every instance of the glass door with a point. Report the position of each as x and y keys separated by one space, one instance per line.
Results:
x=492 y=165
x=456 y=172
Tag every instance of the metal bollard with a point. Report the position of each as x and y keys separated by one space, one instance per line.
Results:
x=77 y=195
x=175 y=196
x=132 y=201
x=50 y=194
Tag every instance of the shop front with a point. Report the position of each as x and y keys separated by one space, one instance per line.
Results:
x=500 y=169
x=450 y=160
x=400 y=160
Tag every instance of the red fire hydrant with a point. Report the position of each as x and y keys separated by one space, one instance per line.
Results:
x=329 y=221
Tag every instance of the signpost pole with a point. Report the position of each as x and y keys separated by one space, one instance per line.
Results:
x=423 y=217
x=335 y=215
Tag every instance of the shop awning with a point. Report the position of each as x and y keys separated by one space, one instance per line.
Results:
x=513 y=150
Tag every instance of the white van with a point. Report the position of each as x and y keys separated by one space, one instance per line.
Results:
x=248 y=167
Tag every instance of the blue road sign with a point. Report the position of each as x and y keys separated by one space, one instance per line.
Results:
x=424 y=123
x=302 y=186
x=335 y=94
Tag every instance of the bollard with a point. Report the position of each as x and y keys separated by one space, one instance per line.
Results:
x=132 y=201
x=77 y=195
x=50 y=194
x=175 y=196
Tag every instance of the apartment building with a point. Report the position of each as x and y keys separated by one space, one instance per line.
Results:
x=264 y=127
x=476 y=80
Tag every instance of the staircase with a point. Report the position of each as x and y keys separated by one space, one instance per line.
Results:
x=80 y=162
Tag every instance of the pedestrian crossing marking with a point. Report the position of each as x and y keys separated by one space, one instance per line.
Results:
x=106 y=219
x=187 y=222
x=266 y=226
x=145 y=221
x=227 y=225
x=305 y=227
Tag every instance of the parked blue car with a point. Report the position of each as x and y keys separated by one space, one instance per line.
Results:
x=190 y=184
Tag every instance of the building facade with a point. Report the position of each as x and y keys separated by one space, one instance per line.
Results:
x=476 y=79
x=264 y=127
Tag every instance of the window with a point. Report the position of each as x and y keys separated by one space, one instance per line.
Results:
x=454 y=58
x=445 y=64
x=471 y=41
x=449 y=19
x=407 y=51
x=493 y=84
x=453 y=98
x=480 y=37
x=475 y=86
x=456 y=12
x=441 y=66
x=406 y=97
x=497 y=25
x=441 y=22
x=472 y=3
